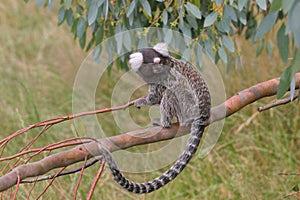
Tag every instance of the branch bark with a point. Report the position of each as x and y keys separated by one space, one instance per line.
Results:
x=137 y=137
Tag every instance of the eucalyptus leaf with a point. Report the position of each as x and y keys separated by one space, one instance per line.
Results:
x=69 y=17
x=283 y=43
x=260 y=47
x=81 y=27
x=194 y=10
x=146 y=6
x=262 y=4
x=242 y=17
x=222 y=54
x=99 y=36
x=276 y=5
x=284 y=83
x=293 y=24
x=127 y=40
x=92 y=13
x=287 y=5
x=292 y=87
x=61 y=15
x=241 y=4
x=165 y=17
x=82 y=41
x=131 y=8
x=229 y=12
x=266 y=24
x=192 y=21
x=68 y=3
x=228 y=43
x=198 y=53
x=210 y=19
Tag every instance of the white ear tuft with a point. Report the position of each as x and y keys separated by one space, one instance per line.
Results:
x=162 y=48
x=135 y=60
x=156 y=60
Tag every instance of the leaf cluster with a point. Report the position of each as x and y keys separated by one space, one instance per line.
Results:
x=208 y=23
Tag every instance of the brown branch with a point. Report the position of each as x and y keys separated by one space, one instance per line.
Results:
x=277 y=103
x=137 y=137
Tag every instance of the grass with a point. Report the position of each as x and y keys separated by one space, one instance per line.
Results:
x=39 y=61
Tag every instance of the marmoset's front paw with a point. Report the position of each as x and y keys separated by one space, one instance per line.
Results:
x=140 y=102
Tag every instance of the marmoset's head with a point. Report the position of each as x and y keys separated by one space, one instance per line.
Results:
x=155 y=55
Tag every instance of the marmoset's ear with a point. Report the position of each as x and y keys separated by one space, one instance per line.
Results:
x=156 y=60
x=162 y=48
x=135 y=60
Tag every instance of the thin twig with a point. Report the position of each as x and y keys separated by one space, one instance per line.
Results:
x=102 y=164
x=62 y=169
x=17 y=187
x=50 y=147
x=290 y=174
x=61 y=119
x=73 y=171
x=292 y=194
x=277 y=103
x=79 y=178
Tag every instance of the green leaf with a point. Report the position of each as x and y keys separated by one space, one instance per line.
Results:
x=275 y=6
x=81 y=27
x=241 y=4
x=192 y=21
x=266 y=24
x=105 y=9
x=99 y=36
x=198 y=53
x=131 y=8
x=242 y=17
x=260 y=47
x=208 y=49
x=228 y=43
x=284 y=83
x=296 y=63
x=165 y=17
x=293 y=24
x=229 y=12
x=61 y=15
x=146 y=6
x=262 y=4
x=194 y=10
x=222 y=54
x=92 y=13
x=69 y=17
x=82 y=41
x=91 y=43
x=127 y=40
x=223 y=25
x=96 y=53
x=68 y=4
x=283 y=43
x=210 y=19
x=287 y=5
x=287 y=79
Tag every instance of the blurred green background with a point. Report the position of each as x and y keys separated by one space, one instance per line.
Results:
x=38 y=64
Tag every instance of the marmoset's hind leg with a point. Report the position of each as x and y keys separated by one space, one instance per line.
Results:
x=169 y=108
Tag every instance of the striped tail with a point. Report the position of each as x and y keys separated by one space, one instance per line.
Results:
x=147 y=187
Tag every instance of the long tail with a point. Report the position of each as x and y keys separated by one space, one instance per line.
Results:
x=147 y=187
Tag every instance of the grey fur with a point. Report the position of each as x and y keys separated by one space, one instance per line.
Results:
x=181 y=92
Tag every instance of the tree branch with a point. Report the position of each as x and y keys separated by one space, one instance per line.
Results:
x=137 y=137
